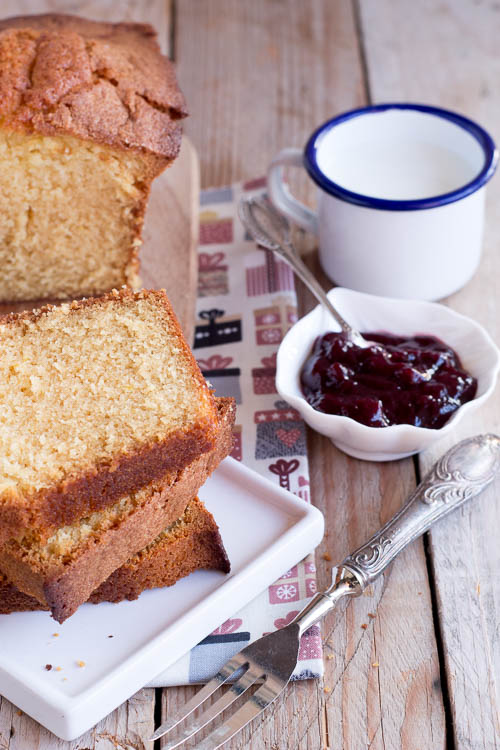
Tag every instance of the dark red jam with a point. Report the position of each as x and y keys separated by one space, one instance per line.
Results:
x=417 y=380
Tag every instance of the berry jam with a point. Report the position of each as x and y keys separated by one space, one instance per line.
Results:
x=417 y=380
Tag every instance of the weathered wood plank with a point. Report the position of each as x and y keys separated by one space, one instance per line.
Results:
x=384 y=675
x=169 y=256
x=124 y=729
x=447 y=53
x=295 y=720
x=270 y=73
x=398 y=703
x=259 y=76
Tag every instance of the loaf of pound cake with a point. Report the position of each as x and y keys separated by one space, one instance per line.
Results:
x=90 y=114
x=192 y=543
x=98 y=399
x=62 y=571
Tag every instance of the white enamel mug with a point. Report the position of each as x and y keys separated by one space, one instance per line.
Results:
x=401 y=198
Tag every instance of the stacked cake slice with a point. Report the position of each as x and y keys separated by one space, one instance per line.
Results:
x=191 y=543
x=107 y=432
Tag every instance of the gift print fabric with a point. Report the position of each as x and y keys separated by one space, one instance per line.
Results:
x=246 y=304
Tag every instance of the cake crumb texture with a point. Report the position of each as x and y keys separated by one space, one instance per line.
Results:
x=73 y=217
x=87 y=387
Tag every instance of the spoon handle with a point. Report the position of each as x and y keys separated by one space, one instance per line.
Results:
x=251 y=212
x=288 y=253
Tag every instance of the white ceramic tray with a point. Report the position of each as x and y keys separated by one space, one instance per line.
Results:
x=266 y=530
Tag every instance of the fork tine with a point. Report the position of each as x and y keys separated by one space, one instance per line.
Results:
x=222 y=676
x=250 y=709
x=240 y=686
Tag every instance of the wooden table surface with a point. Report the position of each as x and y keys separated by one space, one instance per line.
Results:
x=258 y=76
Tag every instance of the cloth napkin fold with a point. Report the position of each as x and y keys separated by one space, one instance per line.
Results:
x=246 y=303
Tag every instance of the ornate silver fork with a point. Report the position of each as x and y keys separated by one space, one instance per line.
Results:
x=460 y=474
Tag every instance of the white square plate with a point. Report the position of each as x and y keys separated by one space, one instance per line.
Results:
x=266 y=530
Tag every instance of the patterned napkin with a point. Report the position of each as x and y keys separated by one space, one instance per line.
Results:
x=246 y=304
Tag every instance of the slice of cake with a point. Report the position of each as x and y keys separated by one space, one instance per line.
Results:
x=97 y=400
x=61 y=572
x=191 y=543
x=89 y=116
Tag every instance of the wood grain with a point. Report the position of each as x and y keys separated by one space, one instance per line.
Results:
x=447 y=53
x=169 y=253
x=270 y=72
x=123 y=729
x=298 y=64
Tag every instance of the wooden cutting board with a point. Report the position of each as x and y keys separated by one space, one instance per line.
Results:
x=168 y=256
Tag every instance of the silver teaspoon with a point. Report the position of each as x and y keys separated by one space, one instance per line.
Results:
x=271 y=230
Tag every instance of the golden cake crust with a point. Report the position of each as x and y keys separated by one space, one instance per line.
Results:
x=79 y=495
x=169 y=558
x=64 y=585
x=165 y=561
x=109 y=83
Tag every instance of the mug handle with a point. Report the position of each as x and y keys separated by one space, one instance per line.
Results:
x=281 y=197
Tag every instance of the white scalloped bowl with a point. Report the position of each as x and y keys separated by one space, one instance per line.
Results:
x=476 y=349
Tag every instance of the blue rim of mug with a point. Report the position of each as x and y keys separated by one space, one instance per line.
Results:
x=333 y=188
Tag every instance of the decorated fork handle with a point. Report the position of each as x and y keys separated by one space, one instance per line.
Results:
x=461 y=474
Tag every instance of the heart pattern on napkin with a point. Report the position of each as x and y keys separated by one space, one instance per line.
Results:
x=288 y=437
